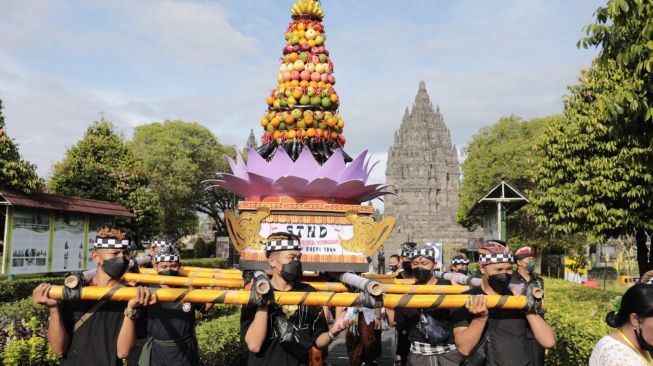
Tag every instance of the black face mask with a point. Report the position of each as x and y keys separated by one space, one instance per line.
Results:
x=290 y=272
x=643 y=344
x=422 y=275
x=500 y=283
x=394 y=268
x=407 y=267
x=169 y=272
x=115 y=267
x=463 y=271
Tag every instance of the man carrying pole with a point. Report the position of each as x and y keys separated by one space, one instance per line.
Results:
x=168 y=328
x=283 y=335
x=498 y=336
x=98 y=332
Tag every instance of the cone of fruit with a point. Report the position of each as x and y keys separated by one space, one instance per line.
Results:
x=303 y=108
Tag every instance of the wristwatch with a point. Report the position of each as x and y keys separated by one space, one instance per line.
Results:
x=133 y=314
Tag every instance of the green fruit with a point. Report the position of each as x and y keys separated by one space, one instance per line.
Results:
x=326 y=102
x=304 y=100
x=295 y=40
x=301 y=124
x=304 y=56
x=288 y=35
x=324 y=93
x=318 y=115
x=269 y=127
x=287 y=92
x=282 y=103
x=328 y=115
x=286 y=58
x=282 y=126
x=336 y=128
x=291 y=101
x=311 y=91
x=323 y=58
x=276 y=103
x=296 y=113
x=308 y=113
x=322 y=125
x=283 y=116
x=316 y=100
x=319 y=40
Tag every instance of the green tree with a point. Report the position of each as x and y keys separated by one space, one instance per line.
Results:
x=596 y=175
x=505 y=151
x=15 y=173
x=179 y=156
x=101 y=166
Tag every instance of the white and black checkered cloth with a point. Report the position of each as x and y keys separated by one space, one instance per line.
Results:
x=423 y=252
x=106 y=243
x=495 y=258
x=455 y=261
x=426 y=349
x=167 y=258
x=160 y=243
x=286 y=244
x=406 y=250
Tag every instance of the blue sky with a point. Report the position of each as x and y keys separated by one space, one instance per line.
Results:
x=62 y=63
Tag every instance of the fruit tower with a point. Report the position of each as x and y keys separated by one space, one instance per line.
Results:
x=303 y=108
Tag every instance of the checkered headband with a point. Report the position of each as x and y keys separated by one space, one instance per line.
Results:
x=407 y=249
x=160 y=243
x=459 y=260
x=109 y=243
x=167 y=254
x=495 y=258
x=423 y=251
x=285 y=244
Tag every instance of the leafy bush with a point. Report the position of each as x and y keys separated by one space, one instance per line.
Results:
x=25 y=343
x=217 y=311
x=205 y=262
x=20 y=289
x=219 y=342
x=17 y=311
x=577 y=314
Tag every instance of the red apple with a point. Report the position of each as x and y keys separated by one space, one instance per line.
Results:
x=315 y=59
x=305 y=75
x=287 y=49
x=294 y=75
x=332 y=80
x=296 y=48
x=315 y=76
x=286 y=76
x=321 y=49
x=324 y=77
x=315 y=50
x=304 y=47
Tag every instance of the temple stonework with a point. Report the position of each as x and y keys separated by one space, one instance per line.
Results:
x=423 y=170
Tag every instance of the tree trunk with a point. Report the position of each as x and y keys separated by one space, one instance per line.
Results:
x=642 y=252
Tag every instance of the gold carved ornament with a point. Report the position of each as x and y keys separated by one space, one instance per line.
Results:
x=244 y=229
x=369 y=235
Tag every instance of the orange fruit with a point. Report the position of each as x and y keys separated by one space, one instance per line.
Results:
x=334 y=134
x=293 y=57
x=319 y=132
x=321 y=84
x=297 y=93
x=264 y=122
x=308 y=120
x=276 y=121
x=291 y=134
x=310 y=132
x=341 y=124
x=277 y=134
x=303 y=83
x=270 y=100
x=290 y=120
x=303 y=40
x=312 y=83
x=334 y=98
x=294 y=83
x=301 y=26
x=302 y=33
x=331 y=122
x=311 y=42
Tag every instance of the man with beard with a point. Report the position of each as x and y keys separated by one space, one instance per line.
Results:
x=429 y=331
x=98 y=332
x=498 y=336
x=266 y=326
x=460 y=264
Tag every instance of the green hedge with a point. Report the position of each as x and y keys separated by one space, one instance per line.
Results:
x=20 y=289
x=205 y=262
x=217 y=311
x=577 y=313
x=219 y=342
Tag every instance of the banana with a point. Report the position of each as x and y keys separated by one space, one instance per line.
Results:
x=295 y=9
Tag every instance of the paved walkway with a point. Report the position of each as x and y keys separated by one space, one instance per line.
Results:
x=338 y=352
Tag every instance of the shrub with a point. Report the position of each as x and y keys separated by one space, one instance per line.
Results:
x=577 y=314
x=26 y=345
x=20 y=289
x=218 y=311
x=219 y=342
x=17 y=311
x=205 y=262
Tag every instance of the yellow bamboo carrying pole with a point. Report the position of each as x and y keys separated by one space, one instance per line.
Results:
x=185 y=272
x=216 y=270
x=394 y=289
x=183 y=281
x=291 y=298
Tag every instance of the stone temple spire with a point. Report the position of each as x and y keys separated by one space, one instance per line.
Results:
x=251 y=140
